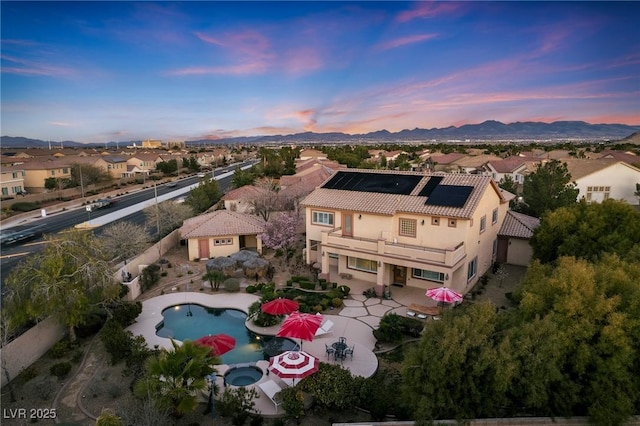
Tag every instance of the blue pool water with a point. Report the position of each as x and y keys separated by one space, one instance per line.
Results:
x=192 y=321
x=242 y=375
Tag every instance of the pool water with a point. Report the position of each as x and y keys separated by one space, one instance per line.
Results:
x=243 y=375
x=192 y=321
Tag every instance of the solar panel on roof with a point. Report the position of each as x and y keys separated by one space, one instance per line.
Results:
x=374 y=182
x=449 y=196
x=430 y=186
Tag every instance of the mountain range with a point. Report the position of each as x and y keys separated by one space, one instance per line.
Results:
x=486 y=131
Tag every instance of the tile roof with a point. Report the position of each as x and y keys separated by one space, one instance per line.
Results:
x=242 y=193
x=518 y=225
x=447 y=158
x=221 y=223
x=579 y=168
x=389 y=204
x=509 y=164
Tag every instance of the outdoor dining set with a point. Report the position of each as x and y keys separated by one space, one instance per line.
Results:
x=339 y=350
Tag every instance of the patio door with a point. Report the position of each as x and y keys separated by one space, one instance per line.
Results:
x=347 y=225
x=399 y=275
x=203 y=249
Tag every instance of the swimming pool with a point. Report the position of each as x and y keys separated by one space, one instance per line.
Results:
x=192 y=321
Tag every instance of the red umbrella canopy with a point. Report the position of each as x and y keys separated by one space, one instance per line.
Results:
x=219 y=343
x=444 y=295
x=280 y=306
x=293 y=365
x=302 y=326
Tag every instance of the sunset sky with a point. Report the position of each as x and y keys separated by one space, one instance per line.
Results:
x=121 y=71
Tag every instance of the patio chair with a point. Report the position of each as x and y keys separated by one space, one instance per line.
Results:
x=271 y=389
x=330 y=351
x=349 y=351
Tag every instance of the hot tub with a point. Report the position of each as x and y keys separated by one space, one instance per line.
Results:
x=243 y=375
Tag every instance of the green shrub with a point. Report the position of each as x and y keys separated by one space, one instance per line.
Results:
x=24 y=206
x=164 y=274
x=324 y=285
x=231 y=284
x=251 y=289
x=325 y=303
x=336 y=302
x=345 y=290
x=60 y=369
x=298 y=278
x=117 y=341
x=307 y=285
x=28 y=373
x=59 y=349
x=289 y=283
x=317 y=308
x=292 y=402
x=126 y=313
x=149 y=277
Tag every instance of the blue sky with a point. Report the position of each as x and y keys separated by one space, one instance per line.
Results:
x=120 y=71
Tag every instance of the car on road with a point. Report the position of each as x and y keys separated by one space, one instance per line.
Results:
x=171 y=184
x=13 y=235
x=201 y=174
x=101 y=203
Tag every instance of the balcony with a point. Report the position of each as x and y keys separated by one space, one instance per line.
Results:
x=386 y=248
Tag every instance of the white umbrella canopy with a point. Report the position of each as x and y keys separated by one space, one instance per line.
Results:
x=294 y=365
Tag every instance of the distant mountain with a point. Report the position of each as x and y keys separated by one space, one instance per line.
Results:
x=487 y=131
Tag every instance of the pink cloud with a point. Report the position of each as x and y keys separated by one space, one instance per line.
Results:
x=240 y=69
x=302 y=60
x=427 y=9
x=403 y=41
x=60 y=124
x=27 y=67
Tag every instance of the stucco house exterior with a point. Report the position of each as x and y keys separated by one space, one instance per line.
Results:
x=404 y=228
x=604 y=178
x=221 y=233
x=513 y=238
x=12 y=181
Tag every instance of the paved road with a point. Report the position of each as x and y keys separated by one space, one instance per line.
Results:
x=126 y=207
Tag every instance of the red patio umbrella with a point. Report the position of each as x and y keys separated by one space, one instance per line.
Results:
x=219 y=343
x=443 y=295
x=280 y=306
x=301 y=326
x=293 y=365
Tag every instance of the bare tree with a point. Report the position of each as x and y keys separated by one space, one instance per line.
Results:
x=124 y=240
x=166 y=216
x=6 y=331
x=266 y=199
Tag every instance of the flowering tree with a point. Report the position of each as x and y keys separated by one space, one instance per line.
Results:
x=282 y=231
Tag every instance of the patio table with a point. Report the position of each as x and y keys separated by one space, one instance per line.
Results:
x=339 y=348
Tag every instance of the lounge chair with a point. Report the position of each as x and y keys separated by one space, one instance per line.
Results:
x=324 y=328
x=271 y=389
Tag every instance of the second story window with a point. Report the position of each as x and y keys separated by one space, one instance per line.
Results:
x=483 y=223
x=494 y=216
x=435 y=221
x=407 y=227
x=322 y=218
x=453 y=223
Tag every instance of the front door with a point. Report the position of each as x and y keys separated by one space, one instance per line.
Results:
x=399 y=275
x=347 y=225
x=203 y=249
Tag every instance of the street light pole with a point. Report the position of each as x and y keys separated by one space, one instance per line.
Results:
x=155 y=191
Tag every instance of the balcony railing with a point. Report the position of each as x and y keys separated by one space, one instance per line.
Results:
x=382 y=246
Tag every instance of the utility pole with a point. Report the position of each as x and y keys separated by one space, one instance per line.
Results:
x=155 y=191
x=81 y=184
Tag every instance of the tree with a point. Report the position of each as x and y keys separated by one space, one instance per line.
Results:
x=124 y=240
x=87 y=174
x=266 y=200
x=588 y=230
x=203 y=196
x=282 y=231
x=167 y=215
x=548 y=188
x=241 y=177
x=215 y=278
x=167 y=167
x=458 y=369
x=508 y=184
x=69 y=279
x=177 y=376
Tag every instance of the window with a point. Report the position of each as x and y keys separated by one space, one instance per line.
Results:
x=313 y=245
x=453 y=223
x=494 y=216
x=495 y=247
x=425 y=274
x=598 y=193
x=15 y=175
x=365 y=265
x=408 y=227
x=435 y=221
x=322 y=218
x=5 y=191
x=65 y=170
x=483 y=223
x=472 y=269
x=53 y=172
x=223 y=241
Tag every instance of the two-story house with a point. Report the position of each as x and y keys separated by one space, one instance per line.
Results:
x=598 y=180
x=12 y=181
x=404 y=228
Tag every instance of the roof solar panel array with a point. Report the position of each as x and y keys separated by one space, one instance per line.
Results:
x=430 y=186
x=374 y=182
x=449 y=196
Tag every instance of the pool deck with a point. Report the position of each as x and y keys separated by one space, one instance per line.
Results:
x=355 y=321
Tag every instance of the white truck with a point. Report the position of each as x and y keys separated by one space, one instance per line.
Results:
x=101 y=204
